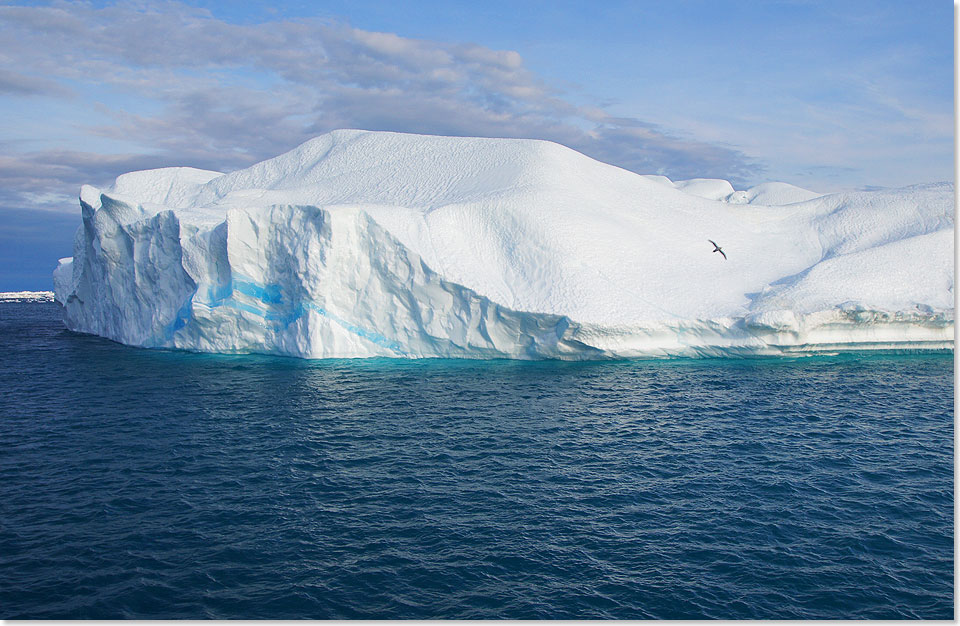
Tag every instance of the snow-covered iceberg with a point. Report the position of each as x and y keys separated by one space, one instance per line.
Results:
x=360 y=244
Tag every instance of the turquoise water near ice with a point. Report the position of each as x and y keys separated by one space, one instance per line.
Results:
x=153 y=484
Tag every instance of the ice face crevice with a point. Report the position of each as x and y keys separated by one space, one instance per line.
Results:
x=384 y=244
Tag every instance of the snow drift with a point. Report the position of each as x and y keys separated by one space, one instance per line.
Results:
x=361 y=244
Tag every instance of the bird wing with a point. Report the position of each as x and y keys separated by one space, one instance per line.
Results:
x=713 y=242
x=723 y=253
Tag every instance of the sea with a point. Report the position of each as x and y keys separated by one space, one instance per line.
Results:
x=156 y=484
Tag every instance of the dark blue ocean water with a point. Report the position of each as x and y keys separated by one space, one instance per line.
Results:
x=149 y=484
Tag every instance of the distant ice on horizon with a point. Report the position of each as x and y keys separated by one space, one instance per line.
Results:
x=361 y=243
x=26 y=296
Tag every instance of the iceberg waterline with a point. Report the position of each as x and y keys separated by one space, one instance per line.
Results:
x=361 y=244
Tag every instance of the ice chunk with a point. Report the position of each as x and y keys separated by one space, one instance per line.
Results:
x=709 y=188
x=26 y=296
x=775 y=194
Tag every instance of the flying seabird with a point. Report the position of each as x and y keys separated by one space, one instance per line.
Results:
x=717 y=248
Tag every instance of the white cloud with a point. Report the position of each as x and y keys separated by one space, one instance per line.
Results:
x=229 y=95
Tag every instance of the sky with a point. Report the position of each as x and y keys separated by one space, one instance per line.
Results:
x=831 y=96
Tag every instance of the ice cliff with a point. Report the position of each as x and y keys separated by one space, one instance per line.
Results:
x=361 y=244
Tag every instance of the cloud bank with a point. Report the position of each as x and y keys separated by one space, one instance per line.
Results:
x=168 y=84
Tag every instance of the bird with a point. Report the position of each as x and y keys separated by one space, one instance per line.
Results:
x=717 y=248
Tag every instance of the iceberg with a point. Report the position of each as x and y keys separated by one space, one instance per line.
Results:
x=363 y=244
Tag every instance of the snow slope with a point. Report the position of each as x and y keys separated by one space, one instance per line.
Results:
x=369 y=243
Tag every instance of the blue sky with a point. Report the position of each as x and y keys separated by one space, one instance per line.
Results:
x=826 y=95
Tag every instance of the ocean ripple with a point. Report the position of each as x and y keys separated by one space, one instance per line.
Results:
x=149 y=484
